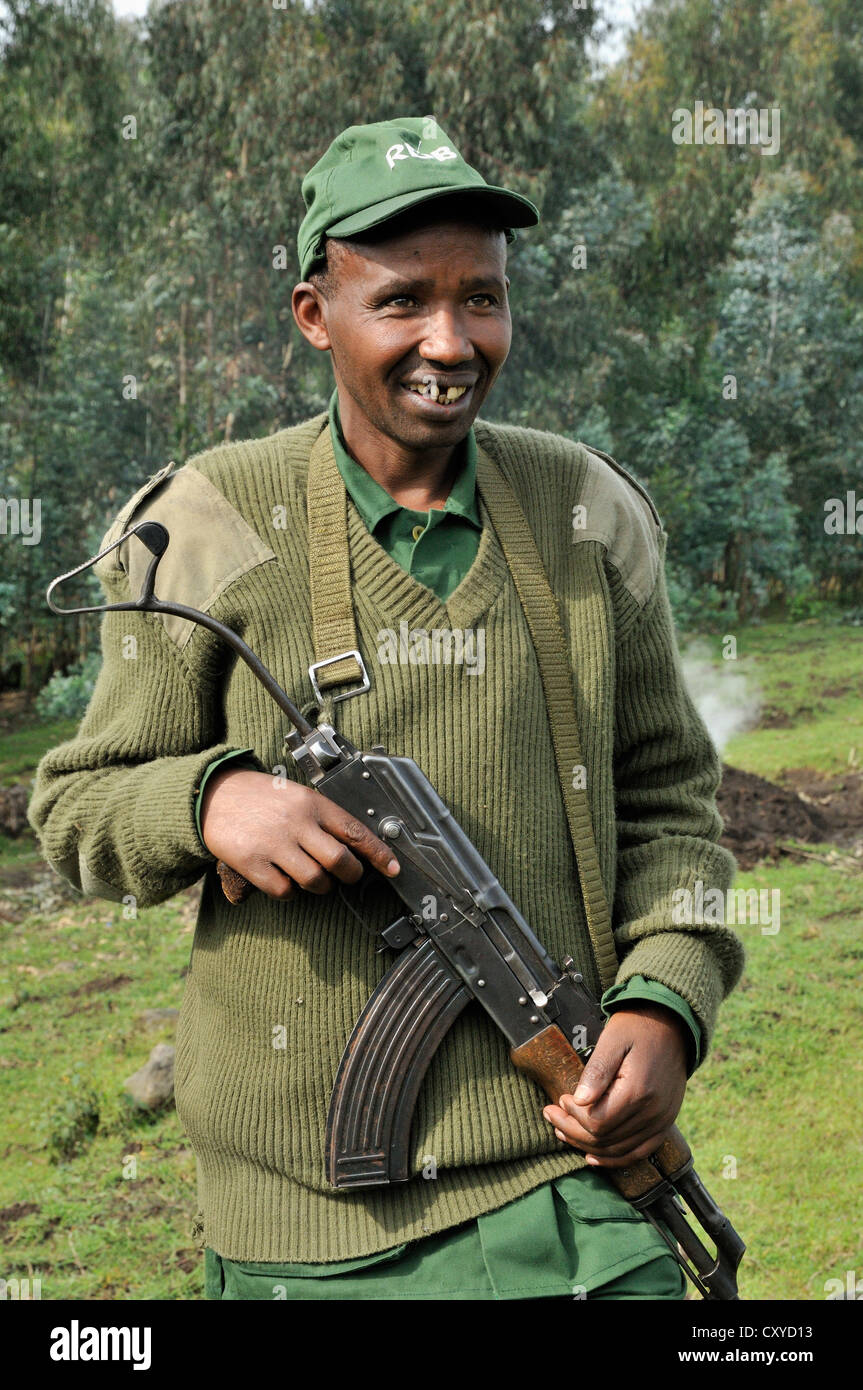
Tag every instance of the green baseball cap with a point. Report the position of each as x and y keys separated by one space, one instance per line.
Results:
x=373 y=172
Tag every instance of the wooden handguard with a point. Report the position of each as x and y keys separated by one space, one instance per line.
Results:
x=235 y=888
x=552 y=1063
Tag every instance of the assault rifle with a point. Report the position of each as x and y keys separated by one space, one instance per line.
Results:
x=477 y=946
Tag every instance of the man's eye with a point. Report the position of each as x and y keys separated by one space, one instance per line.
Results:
x=397 y=299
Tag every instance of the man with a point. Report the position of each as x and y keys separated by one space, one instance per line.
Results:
x=335 y=535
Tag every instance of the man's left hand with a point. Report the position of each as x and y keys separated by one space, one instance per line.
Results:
x=631 y=1089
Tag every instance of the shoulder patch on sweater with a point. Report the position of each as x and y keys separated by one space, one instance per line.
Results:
x=633 y=482
x=565 y=485
x=618 y=512
x=211 y=544
x=122 y=519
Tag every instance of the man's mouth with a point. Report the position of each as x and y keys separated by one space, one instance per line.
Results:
x=438 y=390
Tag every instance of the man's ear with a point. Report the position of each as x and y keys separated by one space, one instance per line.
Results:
x=310 y=315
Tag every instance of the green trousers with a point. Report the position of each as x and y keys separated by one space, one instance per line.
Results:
x=574 y=1237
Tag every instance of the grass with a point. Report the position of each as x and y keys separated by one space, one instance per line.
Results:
x=770 y=1115
x=21 y=749
x=779 y=1089
x=810 y=674
x=113 y=1221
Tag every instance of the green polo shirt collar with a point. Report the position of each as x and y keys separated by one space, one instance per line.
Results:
x=373 y=502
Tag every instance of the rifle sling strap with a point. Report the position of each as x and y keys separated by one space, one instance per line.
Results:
x=334 y=629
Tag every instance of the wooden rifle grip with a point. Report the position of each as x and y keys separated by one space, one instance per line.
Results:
x=235 y=888
x=551 y=1062
x=673 y=1155
x=554 y=1064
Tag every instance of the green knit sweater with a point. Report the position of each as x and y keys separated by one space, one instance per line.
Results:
x=114 y=808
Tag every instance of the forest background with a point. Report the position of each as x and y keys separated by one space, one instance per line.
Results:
x=692 y=309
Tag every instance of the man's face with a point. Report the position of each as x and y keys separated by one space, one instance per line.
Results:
x=425 y=309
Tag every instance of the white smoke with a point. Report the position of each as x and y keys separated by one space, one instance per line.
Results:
x=727 y=698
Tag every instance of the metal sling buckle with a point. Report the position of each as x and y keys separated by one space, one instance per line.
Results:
x=330 y=661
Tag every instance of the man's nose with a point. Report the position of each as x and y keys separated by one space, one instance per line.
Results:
x=445 y=339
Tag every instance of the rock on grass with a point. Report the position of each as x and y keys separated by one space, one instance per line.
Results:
x=152 y=1085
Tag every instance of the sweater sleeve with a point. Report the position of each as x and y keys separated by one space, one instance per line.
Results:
x=667 y=772
x=114 y=808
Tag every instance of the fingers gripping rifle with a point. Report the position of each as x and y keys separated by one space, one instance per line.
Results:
x=473 y=945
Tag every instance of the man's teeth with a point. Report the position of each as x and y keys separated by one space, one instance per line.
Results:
x=434 y=393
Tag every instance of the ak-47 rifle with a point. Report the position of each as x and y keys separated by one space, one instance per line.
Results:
x=476 y=946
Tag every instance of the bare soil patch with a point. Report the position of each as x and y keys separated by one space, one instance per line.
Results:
x=759 y=815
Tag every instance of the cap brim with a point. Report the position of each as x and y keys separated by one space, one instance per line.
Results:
x=511 y=209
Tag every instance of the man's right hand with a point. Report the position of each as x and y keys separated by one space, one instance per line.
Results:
x=281 y=835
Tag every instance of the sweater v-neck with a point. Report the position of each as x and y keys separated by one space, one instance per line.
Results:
x=394 y=594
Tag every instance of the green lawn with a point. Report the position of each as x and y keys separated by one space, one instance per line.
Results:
x=810 y=674
x=75 y=984
x=21 y=749
x=780 y=1091
x=770 y=1116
